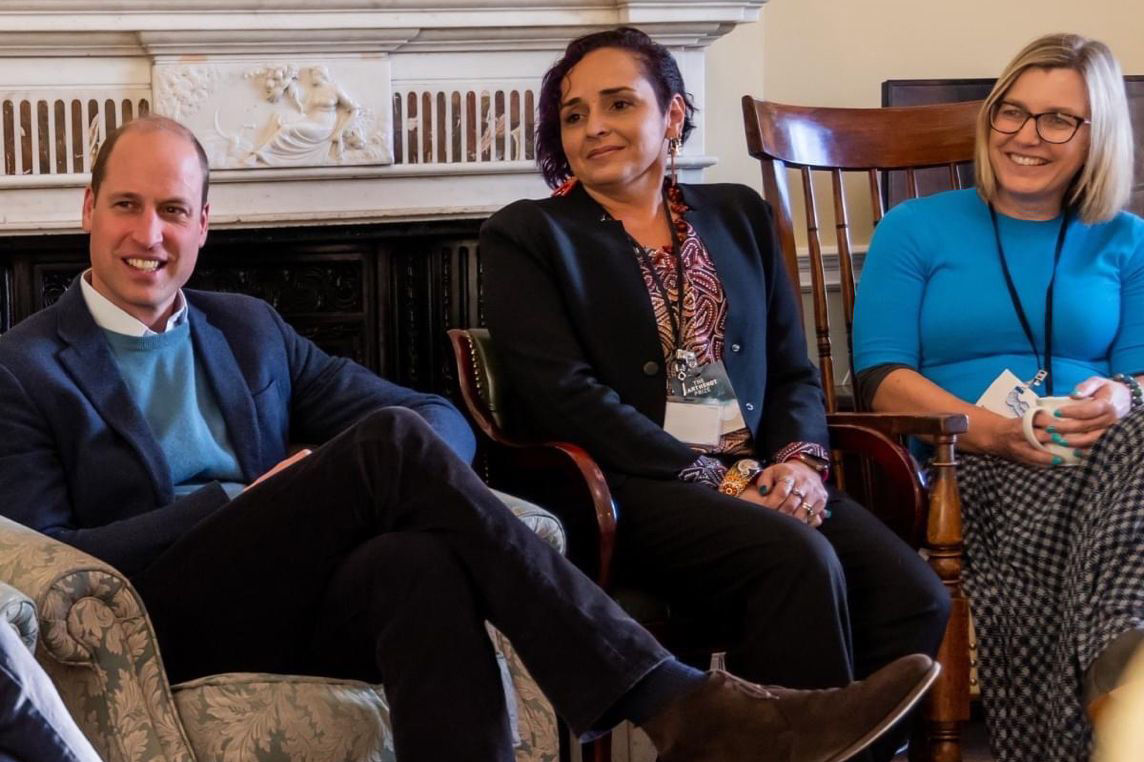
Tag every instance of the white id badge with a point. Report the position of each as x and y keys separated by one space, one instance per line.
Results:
x=732 y=416
x=694 y=422
x=1008 y=396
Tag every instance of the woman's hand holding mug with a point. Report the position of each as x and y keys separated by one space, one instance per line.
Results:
x=1066 y=427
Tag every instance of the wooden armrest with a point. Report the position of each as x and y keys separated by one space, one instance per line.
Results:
x=902 y=504
x=563 y=478
x=906 y=424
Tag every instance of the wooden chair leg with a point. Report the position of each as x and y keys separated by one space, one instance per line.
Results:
x=946 y=709
x=947 y=706
x=599 y=750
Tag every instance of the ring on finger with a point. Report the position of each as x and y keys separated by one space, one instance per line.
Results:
x=798 y=493
x=808 y=508
x=787 y=480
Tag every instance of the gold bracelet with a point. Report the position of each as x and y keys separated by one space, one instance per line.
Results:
x=739 y=476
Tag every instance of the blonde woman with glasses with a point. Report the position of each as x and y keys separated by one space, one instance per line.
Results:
x=1021 y=304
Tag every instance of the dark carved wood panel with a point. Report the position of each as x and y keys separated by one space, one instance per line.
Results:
x=383 y=295
x=917 y=92
x=51 y=280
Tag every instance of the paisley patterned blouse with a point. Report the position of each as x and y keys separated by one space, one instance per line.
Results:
x=704 y=320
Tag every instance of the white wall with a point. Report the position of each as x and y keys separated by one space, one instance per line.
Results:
x=838 y=52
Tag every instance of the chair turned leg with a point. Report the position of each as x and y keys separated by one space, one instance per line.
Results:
x=946 y=708
x=599 y=750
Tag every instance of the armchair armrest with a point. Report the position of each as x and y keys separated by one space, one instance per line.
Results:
x=560 y=476
x=19 y=612
x=564 y=479
x=878 y=437
x=98 y=646
x=906 y=424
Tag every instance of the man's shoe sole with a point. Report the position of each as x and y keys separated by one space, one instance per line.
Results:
x=904 y=706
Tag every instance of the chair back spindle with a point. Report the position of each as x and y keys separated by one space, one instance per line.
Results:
x=902 y=152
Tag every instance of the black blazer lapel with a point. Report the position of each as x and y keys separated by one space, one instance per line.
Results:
x=741 y=274
x=231 y=391
x=740 y=288
x=88 y=360
x=608 y=275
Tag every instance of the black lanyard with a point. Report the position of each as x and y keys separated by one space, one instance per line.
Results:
x=1044 y=372
x=682 y=359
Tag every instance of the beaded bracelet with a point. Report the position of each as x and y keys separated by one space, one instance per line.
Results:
x=704 y=470
x=1133 y=388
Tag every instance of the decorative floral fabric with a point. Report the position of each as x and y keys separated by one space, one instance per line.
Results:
x=99 y=648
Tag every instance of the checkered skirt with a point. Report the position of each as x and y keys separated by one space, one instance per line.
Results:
x=1054 y=572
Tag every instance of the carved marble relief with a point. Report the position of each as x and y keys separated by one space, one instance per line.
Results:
x=282 y=114
x=182 y=91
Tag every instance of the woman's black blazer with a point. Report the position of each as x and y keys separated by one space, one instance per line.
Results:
x=575 y=333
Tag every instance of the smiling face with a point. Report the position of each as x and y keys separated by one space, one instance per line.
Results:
x=147 y=223
x=1033 y=175
x=612 y=129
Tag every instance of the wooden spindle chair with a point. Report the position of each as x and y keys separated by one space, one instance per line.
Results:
x=904 y=151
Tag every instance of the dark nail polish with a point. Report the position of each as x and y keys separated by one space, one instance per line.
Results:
x=1078 y=453
x=1057 y=413
x=1051 y=429
x=764 y=489
x=1058 y=439
x=1057 y=460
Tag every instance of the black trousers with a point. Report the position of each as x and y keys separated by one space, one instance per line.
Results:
x=378 y=557
x=799 y=607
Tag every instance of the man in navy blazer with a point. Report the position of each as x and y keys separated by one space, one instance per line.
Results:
x=148 y=425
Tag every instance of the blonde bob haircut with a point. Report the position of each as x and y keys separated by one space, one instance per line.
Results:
x=1101 y=187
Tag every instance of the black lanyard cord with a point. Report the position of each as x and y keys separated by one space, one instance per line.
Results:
x=1047 y=368
x=677 y=255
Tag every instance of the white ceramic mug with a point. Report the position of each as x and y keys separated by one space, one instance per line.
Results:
x=1049 y=406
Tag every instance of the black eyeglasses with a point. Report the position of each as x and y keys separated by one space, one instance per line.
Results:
x=1052 y=126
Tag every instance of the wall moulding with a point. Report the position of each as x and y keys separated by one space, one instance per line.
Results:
x=639 y=7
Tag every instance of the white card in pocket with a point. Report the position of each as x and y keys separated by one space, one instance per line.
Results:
x=695 y=422
x=1008 y=396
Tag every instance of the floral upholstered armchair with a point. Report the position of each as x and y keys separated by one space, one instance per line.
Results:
x=99 y=648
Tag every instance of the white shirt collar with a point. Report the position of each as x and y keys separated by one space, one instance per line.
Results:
x=110 y=317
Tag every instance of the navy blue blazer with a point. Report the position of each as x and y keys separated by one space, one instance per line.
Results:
x=78 y=460
x=575 y=332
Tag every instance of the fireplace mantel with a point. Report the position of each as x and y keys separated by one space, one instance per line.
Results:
x=357 y=111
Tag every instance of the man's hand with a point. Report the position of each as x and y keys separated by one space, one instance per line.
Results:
x=793 y=488
x=281 y=466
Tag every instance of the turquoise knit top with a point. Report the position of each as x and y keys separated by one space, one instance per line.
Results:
x=933 y=297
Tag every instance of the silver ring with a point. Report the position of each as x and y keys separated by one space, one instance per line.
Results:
x=807 y=507
x=798 y=493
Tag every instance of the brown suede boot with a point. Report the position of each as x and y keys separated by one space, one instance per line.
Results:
x=730 y=720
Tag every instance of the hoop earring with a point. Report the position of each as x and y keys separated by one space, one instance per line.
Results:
x=673 y=145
